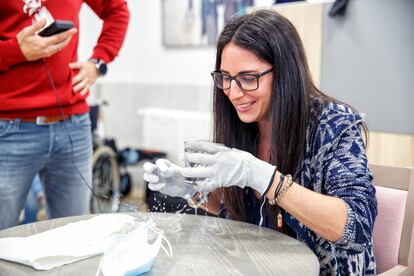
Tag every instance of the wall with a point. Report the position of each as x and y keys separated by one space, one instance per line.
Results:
x=345 y=43
x=145 y=74
x=368 y=61
x=126 y=100
x=391 y=149
x=143 y=59
x=307 y=20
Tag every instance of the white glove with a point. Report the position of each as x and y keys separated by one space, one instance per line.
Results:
x=166 y=177
x=224 y=167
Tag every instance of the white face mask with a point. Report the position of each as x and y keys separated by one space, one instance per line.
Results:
x=132 y=254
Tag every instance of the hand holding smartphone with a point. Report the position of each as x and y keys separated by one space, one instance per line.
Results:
x=56 y=27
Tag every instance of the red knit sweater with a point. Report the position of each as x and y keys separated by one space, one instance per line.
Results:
x=25 y=90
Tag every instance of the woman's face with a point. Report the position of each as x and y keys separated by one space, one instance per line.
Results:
x=251 y=106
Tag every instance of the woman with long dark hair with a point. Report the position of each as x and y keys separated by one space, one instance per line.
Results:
x=286 y=150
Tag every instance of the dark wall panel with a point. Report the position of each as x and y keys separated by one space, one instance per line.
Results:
x=368 y=61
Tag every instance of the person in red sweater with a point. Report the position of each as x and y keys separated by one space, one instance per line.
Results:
x=44 y=120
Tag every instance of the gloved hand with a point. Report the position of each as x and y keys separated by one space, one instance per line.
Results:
x=224 y=167
x=166 y=177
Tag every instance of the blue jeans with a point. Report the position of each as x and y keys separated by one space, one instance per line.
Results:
x=63 y=163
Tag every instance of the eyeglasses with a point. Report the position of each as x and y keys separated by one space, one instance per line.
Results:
x=246 y=81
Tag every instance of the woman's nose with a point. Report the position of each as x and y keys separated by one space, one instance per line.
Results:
x=235 y=91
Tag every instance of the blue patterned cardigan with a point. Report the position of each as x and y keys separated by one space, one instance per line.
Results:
x=335 y=164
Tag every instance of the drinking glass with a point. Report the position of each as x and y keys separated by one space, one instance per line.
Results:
x=202 y=198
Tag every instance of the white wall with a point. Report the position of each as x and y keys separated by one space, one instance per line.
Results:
x=143 y=59
x=146 y=74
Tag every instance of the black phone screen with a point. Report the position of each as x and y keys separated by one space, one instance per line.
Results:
x=56 y=27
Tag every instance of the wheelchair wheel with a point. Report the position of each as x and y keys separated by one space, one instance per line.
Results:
x=106 y=194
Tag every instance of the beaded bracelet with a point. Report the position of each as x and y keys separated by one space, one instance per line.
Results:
x=289 y=183
x=281 y=189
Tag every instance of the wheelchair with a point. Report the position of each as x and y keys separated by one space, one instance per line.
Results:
x=110 y=178
x=106 y=190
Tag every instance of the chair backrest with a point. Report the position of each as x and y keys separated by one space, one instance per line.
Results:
x=394 y=223
x=410 y=270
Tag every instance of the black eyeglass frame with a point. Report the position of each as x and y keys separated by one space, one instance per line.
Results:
x=257 y=76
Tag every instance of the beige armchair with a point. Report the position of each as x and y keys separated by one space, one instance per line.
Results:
x=393 y=229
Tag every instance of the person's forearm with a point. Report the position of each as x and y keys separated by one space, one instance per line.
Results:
x=323 y=214
x=115 y=24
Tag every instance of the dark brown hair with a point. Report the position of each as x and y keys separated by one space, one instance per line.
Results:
x=273 y=39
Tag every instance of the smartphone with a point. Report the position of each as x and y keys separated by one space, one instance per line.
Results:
x=56 y=27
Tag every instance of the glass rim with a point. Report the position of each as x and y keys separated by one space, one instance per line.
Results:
x=235 y=78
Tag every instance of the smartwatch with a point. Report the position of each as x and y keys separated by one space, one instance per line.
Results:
x=100 y=65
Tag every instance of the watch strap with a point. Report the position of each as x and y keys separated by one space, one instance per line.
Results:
x=100 y=65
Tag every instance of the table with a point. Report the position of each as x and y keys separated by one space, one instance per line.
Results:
x=201 y=245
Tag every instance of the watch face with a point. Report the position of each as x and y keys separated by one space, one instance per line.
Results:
x=103 y=68
x=100 y=66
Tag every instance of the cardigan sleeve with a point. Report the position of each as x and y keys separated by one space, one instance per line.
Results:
x=347 y=177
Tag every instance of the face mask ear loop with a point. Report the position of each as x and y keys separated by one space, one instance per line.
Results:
x=169 y=252
x=261 y=212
